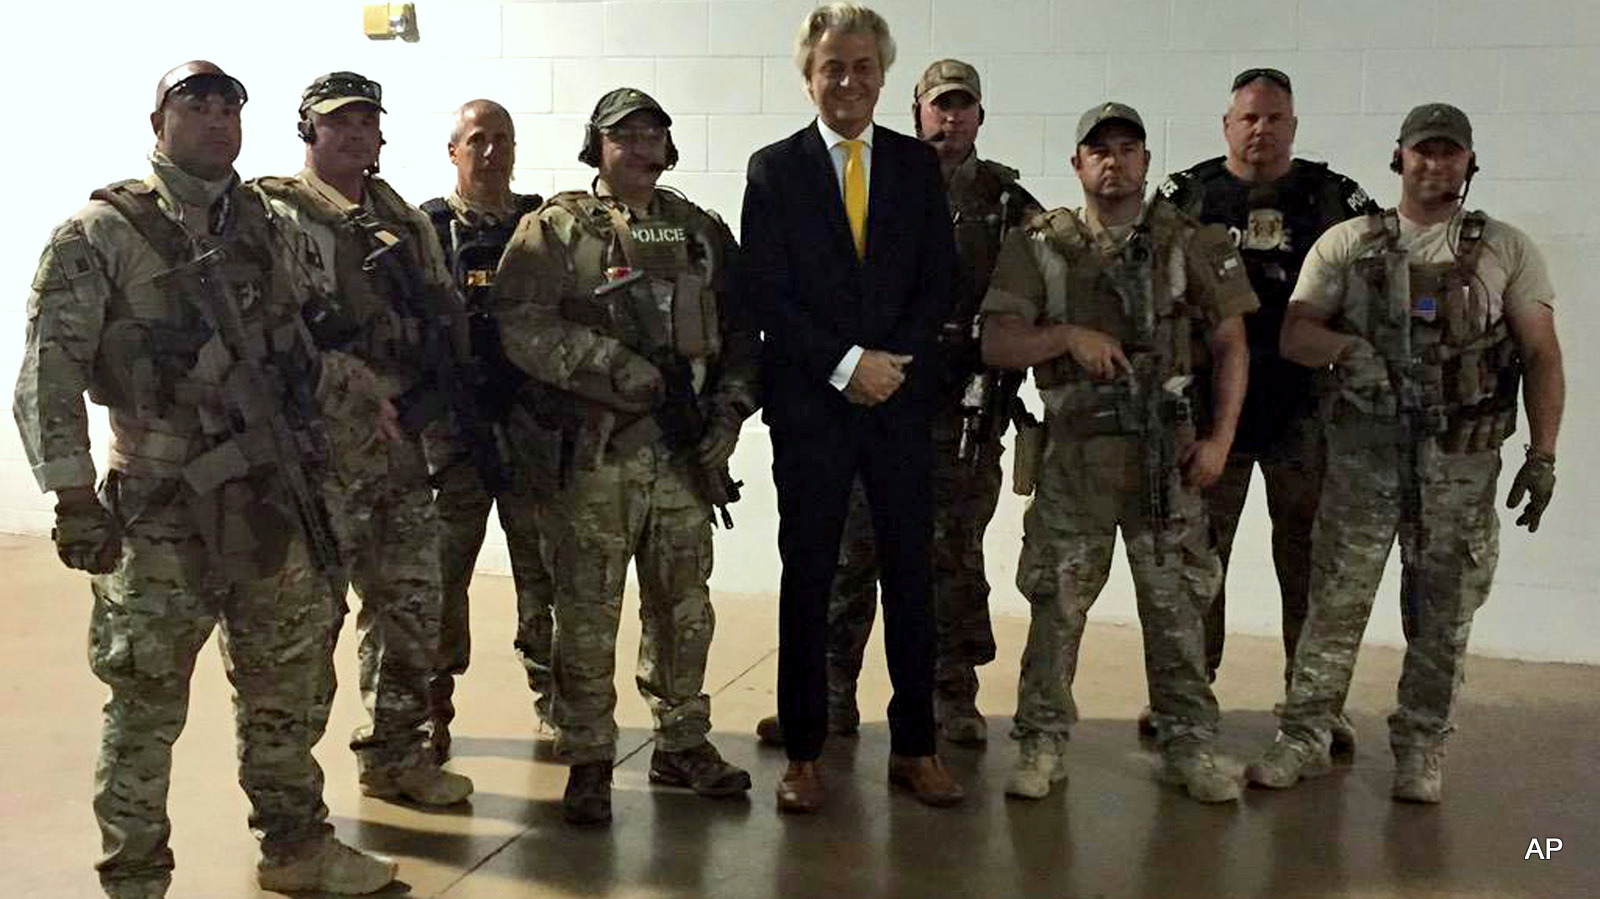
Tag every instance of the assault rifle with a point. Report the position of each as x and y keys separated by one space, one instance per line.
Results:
x=451 y=381
x=270 y=396
x=1391 y=334
x=635 y=314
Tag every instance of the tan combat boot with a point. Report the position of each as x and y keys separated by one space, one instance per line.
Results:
x=1189 y=764
x=1288 y=760
x=1041 y=765
x=425 y=784
x=1418 y=774
x=332 y=868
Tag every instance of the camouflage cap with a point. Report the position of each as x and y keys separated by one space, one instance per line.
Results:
x=945 y=76
x=1108 y=112
x=339 y=89
x=199 y=74
x=1432 y=120
x=618 y=104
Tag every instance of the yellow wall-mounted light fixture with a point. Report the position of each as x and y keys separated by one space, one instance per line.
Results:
x=387 y=21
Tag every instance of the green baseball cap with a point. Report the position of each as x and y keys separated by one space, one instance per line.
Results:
x=945 y=76
x=625 y=101
x=1108 y=112
x=1432 y=120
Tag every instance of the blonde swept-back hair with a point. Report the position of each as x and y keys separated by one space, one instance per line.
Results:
x=849 y=18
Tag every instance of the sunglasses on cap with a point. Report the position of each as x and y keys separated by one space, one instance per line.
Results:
x=204 y=84
x=342 y=85
x=1273 y=75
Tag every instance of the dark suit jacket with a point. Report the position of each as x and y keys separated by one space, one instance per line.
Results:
x=814 y=299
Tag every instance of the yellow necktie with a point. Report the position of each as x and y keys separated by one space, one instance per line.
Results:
x=855 y=195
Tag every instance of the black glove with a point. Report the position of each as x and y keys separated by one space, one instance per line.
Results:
x=87 y=535
x=1537 y=479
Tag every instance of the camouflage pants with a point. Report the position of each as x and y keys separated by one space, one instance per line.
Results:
x=640 y=506
x=389 y=534
x=1448 y=565
x=1088 y=488
x=151 y=616
x=964 y=500
x=1292 y=471
x=462 y=505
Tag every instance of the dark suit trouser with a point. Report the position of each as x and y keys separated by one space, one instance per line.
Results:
x=813 y=470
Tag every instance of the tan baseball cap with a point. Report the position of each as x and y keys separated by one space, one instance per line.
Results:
x=336 y=90
x=945 y=76
x=1108 y=112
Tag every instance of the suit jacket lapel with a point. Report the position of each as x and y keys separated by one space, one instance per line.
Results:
x=827 y=185
x=885 y=171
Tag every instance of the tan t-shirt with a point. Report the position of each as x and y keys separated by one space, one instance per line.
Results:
x=1511 y=272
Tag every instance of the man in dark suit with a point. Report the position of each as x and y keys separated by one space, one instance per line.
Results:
x=849 y=257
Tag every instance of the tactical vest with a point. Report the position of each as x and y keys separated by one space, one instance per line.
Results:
x=364 y=318
x=980 y=212
x=1460 y=372
x=680 y=253
x=1130 y=291
x=160 y=361
x=474 y=250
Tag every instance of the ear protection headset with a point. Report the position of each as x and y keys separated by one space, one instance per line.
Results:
x=306 y=130
x=589 y=153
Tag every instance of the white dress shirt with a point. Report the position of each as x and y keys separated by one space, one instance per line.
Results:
x=840 y=154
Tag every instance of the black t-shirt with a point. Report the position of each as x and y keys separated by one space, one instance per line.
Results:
x=1273 y=225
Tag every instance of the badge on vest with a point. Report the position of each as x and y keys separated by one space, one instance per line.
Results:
x=1265 y=231
x=1425 y=308
x=479 y=277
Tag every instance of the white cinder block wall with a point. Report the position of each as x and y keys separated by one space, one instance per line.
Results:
x=80 y=76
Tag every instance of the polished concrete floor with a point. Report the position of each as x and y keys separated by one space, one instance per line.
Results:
x=1523 y=767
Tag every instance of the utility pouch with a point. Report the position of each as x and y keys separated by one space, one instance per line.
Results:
x=1028 y=457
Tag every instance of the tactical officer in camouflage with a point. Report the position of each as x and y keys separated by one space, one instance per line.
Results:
x=159 y=298
x=985 y=201
x=1115 y=308
x=474 y=469
x=618 y=301
x=1430 y=317
x=1275 y=206
x=392 y=303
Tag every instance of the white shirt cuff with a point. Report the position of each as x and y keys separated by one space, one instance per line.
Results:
x=840 y=379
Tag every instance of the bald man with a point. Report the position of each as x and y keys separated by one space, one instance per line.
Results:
x=474 y=468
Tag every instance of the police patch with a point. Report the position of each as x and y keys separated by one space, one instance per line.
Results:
x=1358 y=200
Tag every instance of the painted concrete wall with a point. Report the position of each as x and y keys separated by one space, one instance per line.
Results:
x=80 y=77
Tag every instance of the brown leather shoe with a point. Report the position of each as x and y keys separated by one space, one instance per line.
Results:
x=801 y=790
x=927 y=778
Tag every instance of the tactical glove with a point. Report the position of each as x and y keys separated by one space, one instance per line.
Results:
x=1537 y=479
x=1361 y=368
x=636 y=381
x=87 y=535
x=720 y=439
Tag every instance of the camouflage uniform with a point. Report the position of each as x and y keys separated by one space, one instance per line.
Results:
x=99 y=308
x=380 y=498
x=1092 y=477
x=624 y=493
x=1273 y=225
x=1432 y=485
x=473 y=240
x=966 y=491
